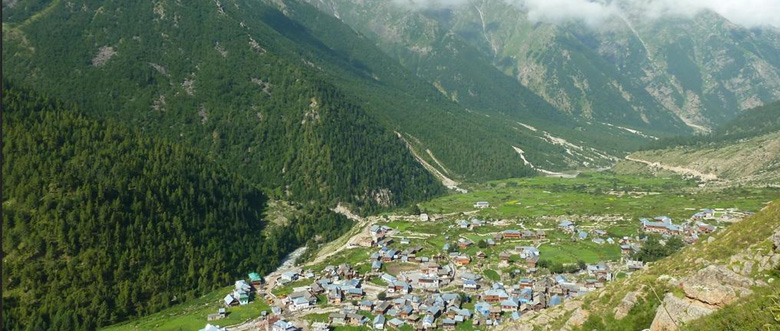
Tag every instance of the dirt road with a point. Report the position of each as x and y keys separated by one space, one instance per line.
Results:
x=676 y=169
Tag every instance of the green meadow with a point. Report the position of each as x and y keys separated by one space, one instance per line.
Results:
x=598 y=194
x=192 y=315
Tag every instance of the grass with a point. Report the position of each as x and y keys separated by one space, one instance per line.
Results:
x=589 y=194
x=492 y=275
x=565 y=252
x=192 y=315
x=287 y=289
x=750 y=313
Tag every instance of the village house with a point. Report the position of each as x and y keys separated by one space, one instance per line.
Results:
x=464 y=243
x=599 y=271
x=504 y=256
x=301 y=300
x=255 y=280
x=566 y=226
x=396 y=323
x=379 y=322
x=424 y=217
x=282 y=325
x=210 y=327
x=509 y=305
x=287 y=277
x=220 y=314
x=462 y=260
x=428 y=282
x=661 y=224
x=481 y=255
x=512 y=234
x=481 y=204
x=705 y=228
x=470 y=285
x=634 y=265
x=532 y=261
x=494 y=295
x=337 y=318
x=430 y=268
x=399 y=287
x=335 y=296
x=464 y=224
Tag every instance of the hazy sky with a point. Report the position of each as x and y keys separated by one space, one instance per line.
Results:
x=748 y=13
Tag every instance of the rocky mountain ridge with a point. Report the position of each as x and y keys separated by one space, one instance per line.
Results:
x=669 y=74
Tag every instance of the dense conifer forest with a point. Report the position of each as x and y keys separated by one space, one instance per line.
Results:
x=101 y=223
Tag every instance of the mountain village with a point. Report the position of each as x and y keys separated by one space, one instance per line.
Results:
x=409 y=282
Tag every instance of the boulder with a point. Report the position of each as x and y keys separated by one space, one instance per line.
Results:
x=674 y=311
x=628 y=302
x=577 y=318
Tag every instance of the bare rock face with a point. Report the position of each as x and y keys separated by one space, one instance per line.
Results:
x=776 y=241
x=577 y=318
x=675 y=310
x=628 y=302
x=717 y=286
x=705 y=292
x=543 y=318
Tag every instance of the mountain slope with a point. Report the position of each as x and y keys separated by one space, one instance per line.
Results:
x=744 y=150
x=704 y=284
x=239 y=91
x=101 y=223
x=634 y=71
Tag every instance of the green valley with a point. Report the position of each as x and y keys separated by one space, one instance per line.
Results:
x=317 y=165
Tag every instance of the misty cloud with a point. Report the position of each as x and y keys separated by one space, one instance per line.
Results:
x=748 y=13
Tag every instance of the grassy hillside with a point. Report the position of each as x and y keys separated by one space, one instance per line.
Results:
x=726 y=281
x=101 y=223
x=743 y=151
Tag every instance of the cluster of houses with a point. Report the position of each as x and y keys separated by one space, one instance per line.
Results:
x=240 y=295
x=380 y=236
x=338 y=284
x=529 y=254
x=431 y=311
x=690 y=231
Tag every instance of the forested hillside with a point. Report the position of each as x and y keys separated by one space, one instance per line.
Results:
x=102 y=223
x=219 y=78
x=287 y=96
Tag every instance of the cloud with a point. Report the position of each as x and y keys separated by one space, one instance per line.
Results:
x=561 y=11
x=747 y=13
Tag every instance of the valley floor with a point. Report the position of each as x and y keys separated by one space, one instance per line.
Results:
x=538 y=242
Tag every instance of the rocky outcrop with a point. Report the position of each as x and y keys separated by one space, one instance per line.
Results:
x=675 y=310
x=543 y=318
x=717 y=286
x=628 y=302
x=577 y=318
x=705 y=292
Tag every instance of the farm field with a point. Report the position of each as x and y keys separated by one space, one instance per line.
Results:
x=598 y=194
